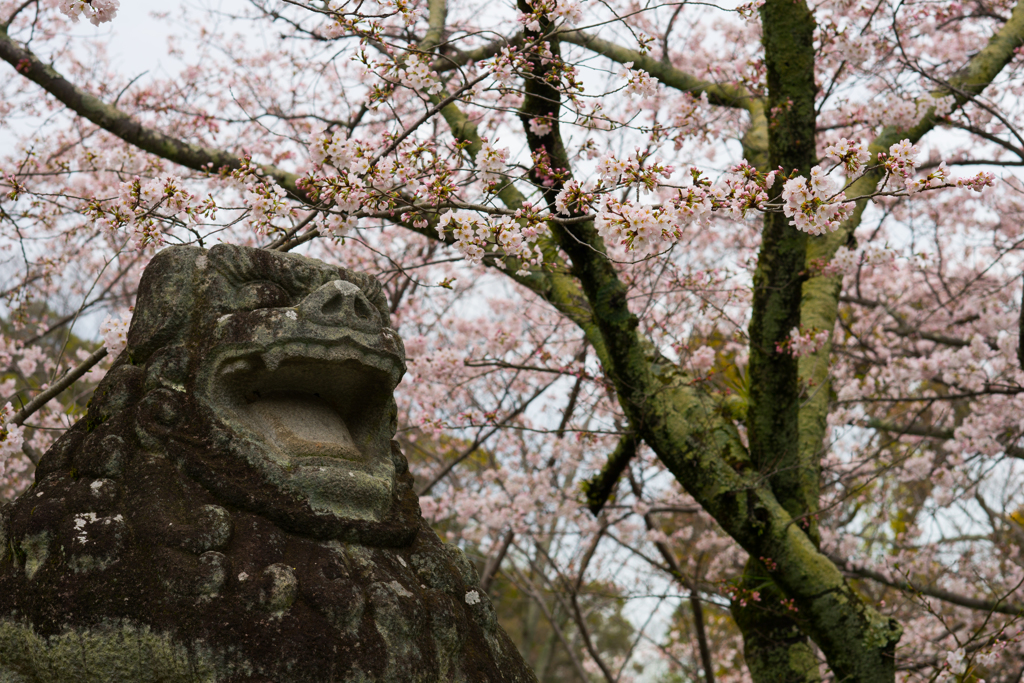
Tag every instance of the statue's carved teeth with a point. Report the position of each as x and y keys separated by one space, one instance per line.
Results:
x=238 y=365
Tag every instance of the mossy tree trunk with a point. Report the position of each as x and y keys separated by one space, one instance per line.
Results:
x=775 y=648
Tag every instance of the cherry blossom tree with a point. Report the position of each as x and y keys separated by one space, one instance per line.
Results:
x=711 y=308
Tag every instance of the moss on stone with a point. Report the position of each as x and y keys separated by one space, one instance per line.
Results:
x=110 y=652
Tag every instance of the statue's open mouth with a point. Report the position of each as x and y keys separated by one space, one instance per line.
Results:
x=316 y=405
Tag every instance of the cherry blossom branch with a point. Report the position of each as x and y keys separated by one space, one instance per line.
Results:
x=588 y=641
x=1000 y=606
x=724 y=95
x=282 y=243
x=940 y=433
x=574 y=393
x=427 y=115
x=987 y=391
x=448 y=62
x=548 y=283
x=14 y=15
x=754 y=140
x=479 y=440
x=903 y=328
x=980 y=71
x=437 y=15
x=124 y=126
x=69 y=378
x=588 y=555
x=552 y=283
x=909 y=430
x=489 y=363
x=994 y=139
x=969 y=162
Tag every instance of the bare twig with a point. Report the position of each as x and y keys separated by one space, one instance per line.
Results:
x=1001 y=606
x=480 y=440
x=494 y=561
x=69 y=378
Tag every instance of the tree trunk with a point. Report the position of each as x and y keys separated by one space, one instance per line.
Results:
x=775 y=648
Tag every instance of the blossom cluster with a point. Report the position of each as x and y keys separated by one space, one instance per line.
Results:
x=362 y=180
x=689 y=115
x=850 y=155
x=474 y=234
x=348 y=17
x=940 y=177
x=11 y=437
x=266 y=201
x=645 y=228
x=634 y=169
x=853 y=48
x=740 y=595
x=901 y=163
x=848 y=260
x=568 y=11
x=541 y=126
x=557 y=11
x=958 y=662
x=32 y=357
x=115 y=335
x=803 y=342
x=336 y=224
x=904 y=114
x=702 y=360
x=335 y=149
x=96 y=11
x=491 y=162
x=358 y=183
x=748 y=10
x=140 y=205
x=639 y=83
x=575 y=198
x=417 y=75
x=506 y=64
x=640 y=228
x=816 y=207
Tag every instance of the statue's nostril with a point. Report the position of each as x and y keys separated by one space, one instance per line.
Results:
x=333 y=305
x=363 y=309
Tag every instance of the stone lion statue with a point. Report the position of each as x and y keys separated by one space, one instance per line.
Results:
x=233 y=507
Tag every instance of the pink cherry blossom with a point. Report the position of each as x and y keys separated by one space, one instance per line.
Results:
x=576 y=211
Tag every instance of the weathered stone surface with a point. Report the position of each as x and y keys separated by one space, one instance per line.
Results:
x=233 y=506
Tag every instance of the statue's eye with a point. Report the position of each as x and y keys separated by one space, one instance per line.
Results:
x=262 y=294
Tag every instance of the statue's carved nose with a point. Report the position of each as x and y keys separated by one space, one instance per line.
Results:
x=341 y=303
